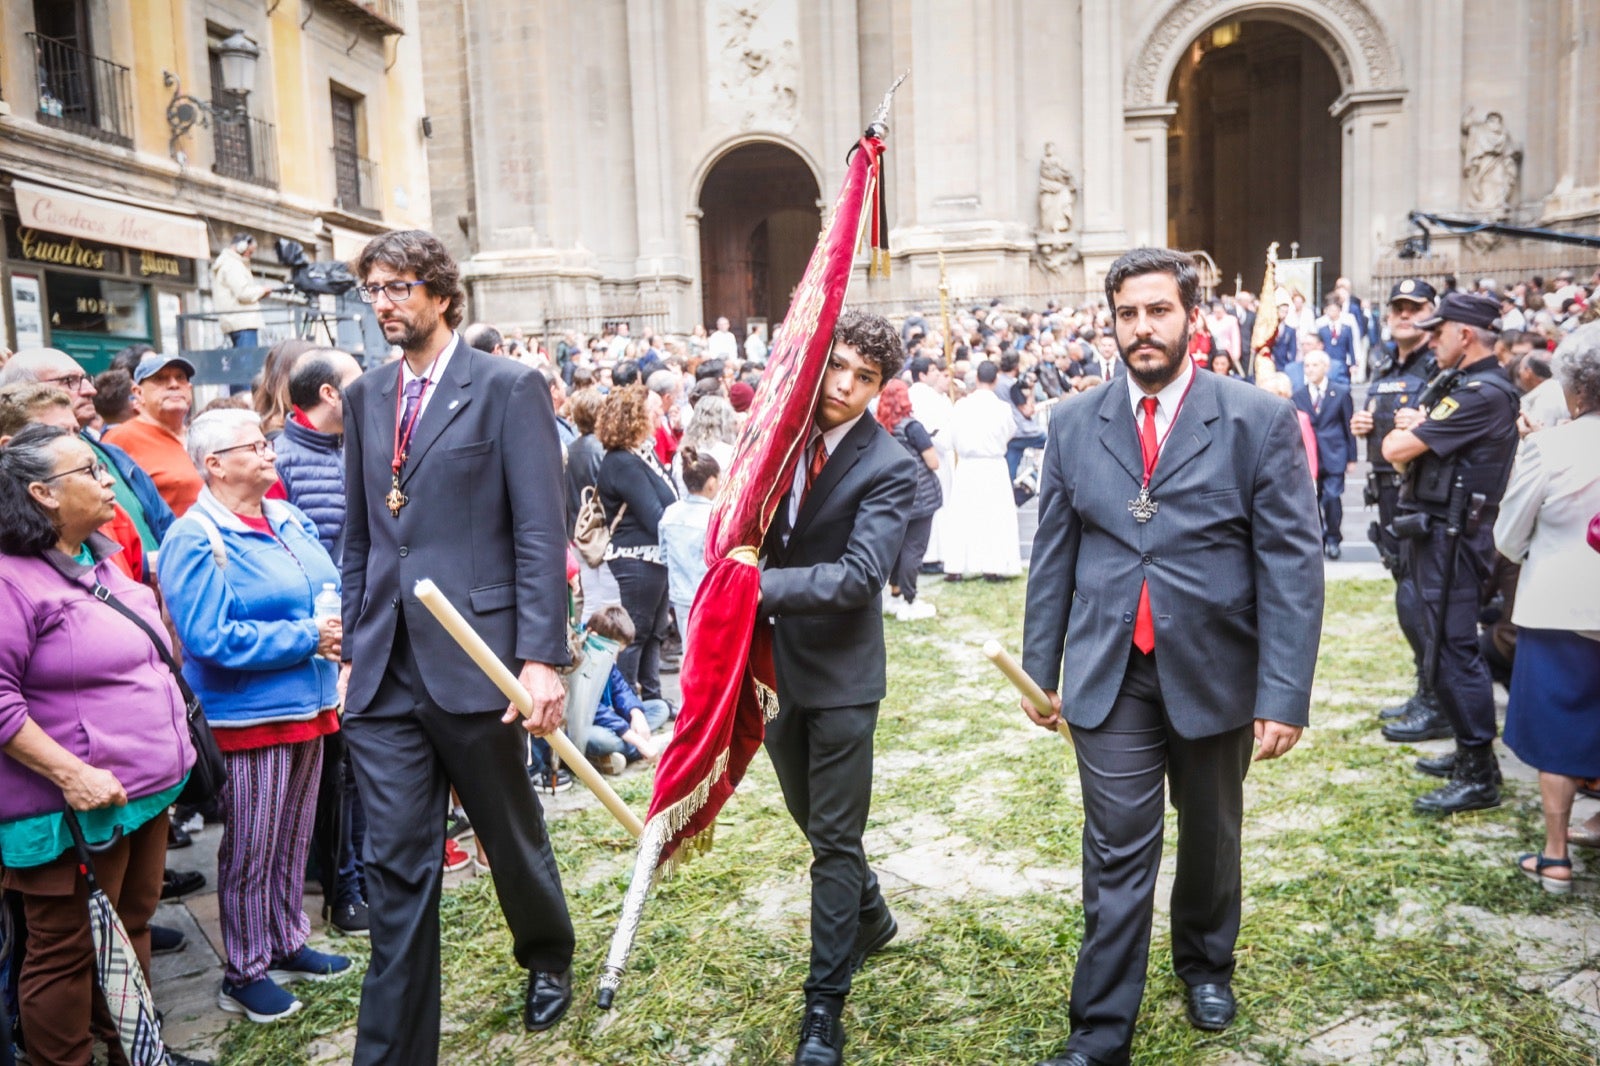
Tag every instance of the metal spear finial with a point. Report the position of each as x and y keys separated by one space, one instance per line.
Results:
x=879 y=126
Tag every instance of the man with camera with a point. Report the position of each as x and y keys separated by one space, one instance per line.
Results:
x=1456 y=457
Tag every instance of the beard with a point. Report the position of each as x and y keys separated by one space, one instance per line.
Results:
x=1171 y=362
x=413 y=333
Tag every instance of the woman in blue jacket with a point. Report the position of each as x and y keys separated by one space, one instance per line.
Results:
x=241 y=575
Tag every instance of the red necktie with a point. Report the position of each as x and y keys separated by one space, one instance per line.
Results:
x=818 y=459
x=1144 y=624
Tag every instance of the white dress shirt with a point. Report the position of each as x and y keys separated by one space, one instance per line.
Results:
x=1167 y=401
x=434 y=374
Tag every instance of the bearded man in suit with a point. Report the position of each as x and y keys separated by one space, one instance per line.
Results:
x=1177 y=524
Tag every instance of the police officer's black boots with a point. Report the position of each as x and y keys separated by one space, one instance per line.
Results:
x=1423 y=722
x=1400 y=710
x=1438 y=765
x=1474 y=786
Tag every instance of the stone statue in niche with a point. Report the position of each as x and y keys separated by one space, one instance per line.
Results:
x=1491 y=166
x=755 y=62
x=1058 y=199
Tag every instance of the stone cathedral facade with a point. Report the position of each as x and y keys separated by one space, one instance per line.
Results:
x=670 y=161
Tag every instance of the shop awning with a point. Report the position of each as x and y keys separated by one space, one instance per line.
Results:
x=75 y=214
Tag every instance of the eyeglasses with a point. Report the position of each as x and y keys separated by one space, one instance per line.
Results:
x=260 y=447
x=70 y=382
x=398 y=292
x=96 y=470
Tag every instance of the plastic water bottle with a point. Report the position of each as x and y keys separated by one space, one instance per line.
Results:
x=327 y=604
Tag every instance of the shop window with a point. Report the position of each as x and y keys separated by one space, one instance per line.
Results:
x=80 y=303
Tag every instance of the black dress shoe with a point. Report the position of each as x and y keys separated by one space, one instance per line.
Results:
x=871 y=939
x=549 y=996
x=1210 y=1007
x=1423 y=723
x=175 y=883
x=1438 y=765
x=821 y=1038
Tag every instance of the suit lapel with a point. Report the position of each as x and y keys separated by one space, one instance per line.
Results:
x=833 y=471
x=450 y=398
x=1191 y=434
x=1118 y=433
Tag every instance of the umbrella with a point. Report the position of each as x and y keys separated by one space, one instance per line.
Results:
x=121 y=977
x=727 y=676
x=586 y=684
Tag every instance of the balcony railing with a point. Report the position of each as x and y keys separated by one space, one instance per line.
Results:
x=355 y=183
x=246 y=147
x=83 y=93
x=383 y=17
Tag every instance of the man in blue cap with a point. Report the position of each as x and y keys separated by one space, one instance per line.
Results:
x=1457 y=457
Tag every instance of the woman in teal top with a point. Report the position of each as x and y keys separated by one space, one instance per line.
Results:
x=89 y=716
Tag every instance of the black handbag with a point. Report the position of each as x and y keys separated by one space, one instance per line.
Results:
x=209 y=773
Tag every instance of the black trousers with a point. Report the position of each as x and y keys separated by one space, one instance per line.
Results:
x=1412 y=625
x=1330 y=499
x=1465 y=691
x=407 y=752
x=908 y=564
x=823 y=756
x=643 y=588
x=1123 y=765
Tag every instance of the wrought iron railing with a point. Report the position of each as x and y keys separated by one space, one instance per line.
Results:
x=381 y=16
x=355 y=183
x=245 y=147
x=81 y=92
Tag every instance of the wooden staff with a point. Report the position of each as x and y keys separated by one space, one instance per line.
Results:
x=471 y=643
x=1025 y=684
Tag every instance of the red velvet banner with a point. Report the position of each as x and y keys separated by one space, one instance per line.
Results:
x=727 y=677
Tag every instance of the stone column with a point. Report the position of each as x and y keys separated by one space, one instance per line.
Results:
x=1377 y=157
x=1145 y=173
x=1101 y=55
x=651 y=97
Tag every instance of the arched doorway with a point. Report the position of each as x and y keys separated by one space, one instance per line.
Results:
x=1253 y=153
x=759 y=223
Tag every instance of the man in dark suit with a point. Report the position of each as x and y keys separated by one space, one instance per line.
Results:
x=1330 y=407
x=1168 y=543
x=826 y=558
x=1337 y=331
x=454 y=474
x=1106 y=364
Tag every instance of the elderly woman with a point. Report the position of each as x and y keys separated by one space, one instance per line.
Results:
x=90 y=718
x=241 y=575
x=713 y=430
x=631 y=476
x=1553 y=719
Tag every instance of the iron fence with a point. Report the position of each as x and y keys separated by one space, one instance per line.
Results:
x=246 y=147
x=81 y=92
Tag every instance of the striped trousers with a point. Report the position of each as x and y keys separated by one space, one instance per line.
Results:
x=268 y=808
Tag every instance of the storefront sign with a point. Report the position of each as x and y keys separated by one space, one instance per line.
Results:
x=32 y=245
x=91 y=218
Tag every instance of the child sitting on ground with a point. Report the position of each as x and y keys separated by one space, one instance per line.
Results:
x=682 y=531
x=623 y=723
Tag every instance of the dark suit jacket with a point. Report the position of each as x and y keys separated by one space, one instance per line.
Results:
x=1233 y=552
x=1336 y=445
x=485 y=521
x=822 y=588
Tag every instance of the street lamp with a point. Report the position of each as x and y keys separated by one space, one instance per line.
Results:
x=237 y=57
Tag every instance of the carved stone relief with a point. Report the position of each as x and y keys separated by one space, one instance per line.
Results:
x=754 y=63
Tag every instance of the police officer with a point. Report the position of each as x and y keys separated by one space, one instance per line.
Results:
x=1457 y=457
x=1398 y=377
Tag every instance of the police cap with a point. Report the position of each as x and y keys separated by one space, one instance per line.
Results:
x=1413 y=289
x=1470 y=308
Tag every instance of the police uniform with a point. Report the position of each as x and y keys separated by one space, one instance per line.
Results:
x=1471 y=436
x=1396 y=383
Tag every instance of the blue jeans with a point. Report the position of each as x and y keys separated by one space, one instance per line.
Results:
x=243 y=338
x=604 y=741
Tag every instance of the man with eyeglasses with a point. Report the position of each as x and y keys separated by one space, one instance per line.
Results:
x=157 y=438
x=453 y=471
x=136 y=492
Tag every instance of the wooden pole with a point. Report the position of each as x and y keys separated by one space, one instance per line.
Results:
x=1025 y=684
x=471 y=643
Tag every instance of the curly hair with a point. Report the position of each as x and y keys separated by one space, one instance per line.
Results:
x=894 y=404
x=424 y=255
x=624 y=421
x=874 y=339
x=1576 y=365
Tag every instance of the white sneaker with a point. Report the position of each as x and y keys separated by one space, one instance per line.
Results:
x=917 y=611
x=892 y=604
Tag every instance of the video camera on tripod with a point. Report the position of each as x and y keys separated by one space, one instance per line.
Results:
x=310 y=278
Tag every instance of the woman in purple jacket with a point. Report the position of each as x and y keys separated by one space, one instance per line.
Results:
x=89 y=716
